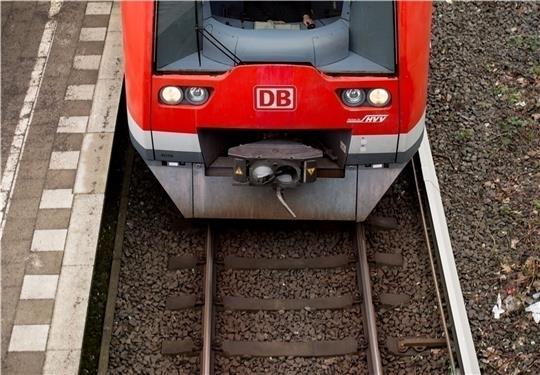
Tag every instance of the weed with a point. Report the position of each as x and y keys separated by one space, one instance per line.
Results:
x=465 y=134
x=505 y=210
x=510 y=128
x=535 y=71
x=509 y=93
x=524 y=41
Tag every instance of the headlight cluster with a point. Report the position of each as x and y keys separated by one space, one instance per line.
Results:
x=172 y=95
x=373 y=97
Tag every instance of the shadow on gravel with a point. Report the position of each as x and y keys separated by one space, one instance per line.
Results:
x=100 y=279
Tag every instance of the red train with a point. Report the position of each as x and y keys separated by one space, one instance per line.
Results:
x=244 y=110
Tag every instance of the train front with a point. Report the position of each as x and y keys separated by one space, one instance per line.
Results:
x=243 y=112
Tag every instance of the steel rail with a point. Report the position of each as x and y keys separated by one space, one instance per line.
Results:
x=207 y=366
x=466 y=352
x=363 y=279
x=433 y=267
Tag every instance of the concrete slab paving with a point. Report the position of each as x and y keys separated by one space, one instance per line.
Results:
x=68 y=142
x=34 y=311
x=90 y=176
x=29 y=338
x=64 y=160
x=72 y=124
x=59 y=56
x=65 y=360
x=86 y=62
x=83 y=229
x=44 y=263
x=56 y=198
x=53 y=218
x=80 y=92
x=39 y=287
x=27 y=363
x=93 y=34
x=70 y=310
x=98 y=8
x=49 y=240
x=60 y=179
x=17 y=35
x=11 y=274
x=103 y=117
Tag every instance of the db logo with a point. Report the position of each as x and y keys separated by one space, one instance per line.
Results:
x=277 y=98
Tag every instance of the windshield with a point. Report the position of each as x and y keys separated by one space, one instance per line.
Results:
x=333 y=36
x=277 y=11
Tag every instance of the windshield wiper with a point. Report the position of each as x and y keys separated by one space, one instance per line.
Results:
x=220 y=46
x=201 y=31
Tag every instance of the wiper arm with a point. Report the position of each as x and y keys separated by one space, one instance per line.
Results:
x=196 y=32
x=220 y=46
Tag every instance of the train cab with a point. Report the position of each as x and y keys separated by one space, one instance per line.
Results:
x=276 y=110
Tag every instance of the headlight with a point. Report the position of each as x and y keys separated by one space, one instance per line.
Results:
x=353 y=97
x=378 y=97
x=170 y=95
x=197 y=95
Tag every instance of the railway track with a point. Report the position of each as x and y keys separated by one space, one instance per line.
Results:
x=308 y=298
x=227 y=309
x=222 y=311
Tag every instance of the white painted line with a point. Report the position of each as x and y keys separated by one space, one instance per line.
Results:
x=29 y=338
x=79 y=92
x=55 y=7
x=56 y=198
x=74 y=124
x=39 y=287
x=49 y=240
x=64 y=160
x=11 y=169
x=93 y=34
x=43 y=50
x=36 y=75
x=86 y=62
x=98 y=8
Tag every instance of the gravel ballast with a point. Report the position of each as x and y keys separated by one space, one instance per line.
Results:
x=154 y=232
x=483 y=120
x=268 y=240
x=420 y=316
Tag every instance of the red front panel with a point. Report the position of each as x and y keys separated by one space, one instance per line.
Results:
x=138 y=24
x=317 y=106
x=233 y=101
x=414 y=30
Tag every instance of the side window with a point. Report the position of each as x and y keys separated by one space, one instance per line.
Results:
x=372 y=31
x=175 y=31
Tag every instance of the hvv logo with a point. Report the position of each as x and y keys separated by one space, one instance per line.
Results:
x=275 y=98
x=367 y=119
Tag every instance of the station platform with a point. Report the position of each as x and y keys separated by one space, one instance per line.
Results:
x=61 y=84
